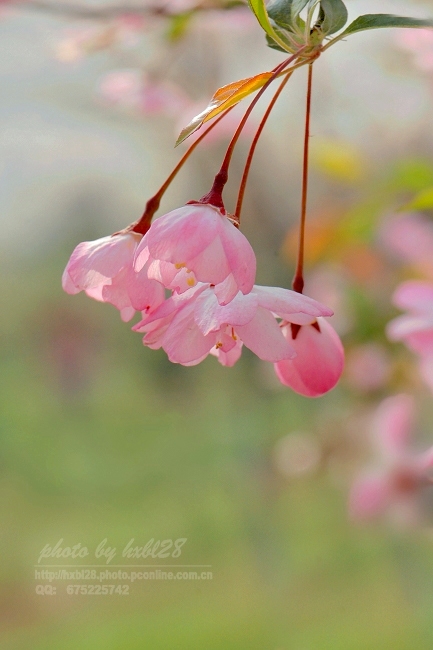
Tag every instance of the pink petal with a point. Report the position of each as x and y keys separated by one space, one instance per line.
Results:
x=182 y=234
x=226 y=291
x=210 y=315
x=228 y=358
x=183 y=341
x=240 y=256
x=103 y=257
x=289 y=304
x=319 y=361
x=68 y=285
x=263 y=336
x=145 y=294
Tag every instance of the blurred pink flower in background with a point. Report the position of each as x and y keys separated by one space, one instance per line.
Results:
x=420 y=43
x=135 y=90
x=319 y=359
x=416 y=327
x=394 y=484
x=410 y=237
x=368 y=367
x=124 y=31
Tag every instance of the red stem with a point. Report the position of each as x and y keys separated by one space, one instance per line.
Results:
x=237 y=214
x=298 y=280
x=214 y=197
x=142 y=225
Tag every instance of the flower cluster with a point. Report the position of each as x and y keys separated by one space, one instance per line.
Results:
x=411 y=237
x=395 y=483
x=198 y=254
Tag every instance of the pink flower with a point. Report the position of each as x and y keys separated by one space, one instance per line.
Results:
x=103 y=269
x=201 y=239
x=190 y=325
x=416 y=327
x=395 y=483
x=319 y=359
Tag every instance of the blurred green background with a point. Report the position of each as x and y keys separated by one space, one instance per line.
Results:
x=102 y=438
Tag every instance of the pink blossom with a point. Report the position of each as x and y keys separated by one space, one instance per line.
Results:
x=201 y=239
x=103 y=269
x=190 y=325
x=396 y=481
x=416 y=327
x=319 y=359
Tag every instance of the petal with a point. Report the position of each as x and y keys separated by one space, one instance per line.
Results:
x=144 y=294
x=210 y=315
x=68 y=285
x=263 y=336
x=228 y=358
x=182 y=234
x=104 y=257
x=286 y=303
x=319 y=361
x=226 y=291
x=183 y=341
x=239 y=254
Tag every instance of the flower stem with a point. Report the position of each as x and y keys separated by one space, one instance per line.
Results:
x=143 y=224
x=214 y=197
x=237 y=214
x=298 y=280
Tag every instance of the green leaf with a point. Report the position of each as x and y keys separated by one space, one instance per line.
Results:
x=259 y=9
x=272 y=44
x=285 y=13
x=376 y=21
x=333 y=16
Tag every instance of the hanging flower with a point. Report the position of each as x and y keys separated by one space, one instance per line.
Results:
x=319 y=359
x=201 y=239
x=103 y=270
x=190 y=325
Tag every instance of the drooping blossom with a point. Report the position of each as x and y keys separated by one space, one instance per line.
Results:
x=394 y=484
x=416 y=327
x=201 y=239
x=104 y=270
x=190 y=325
x=319 y=359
